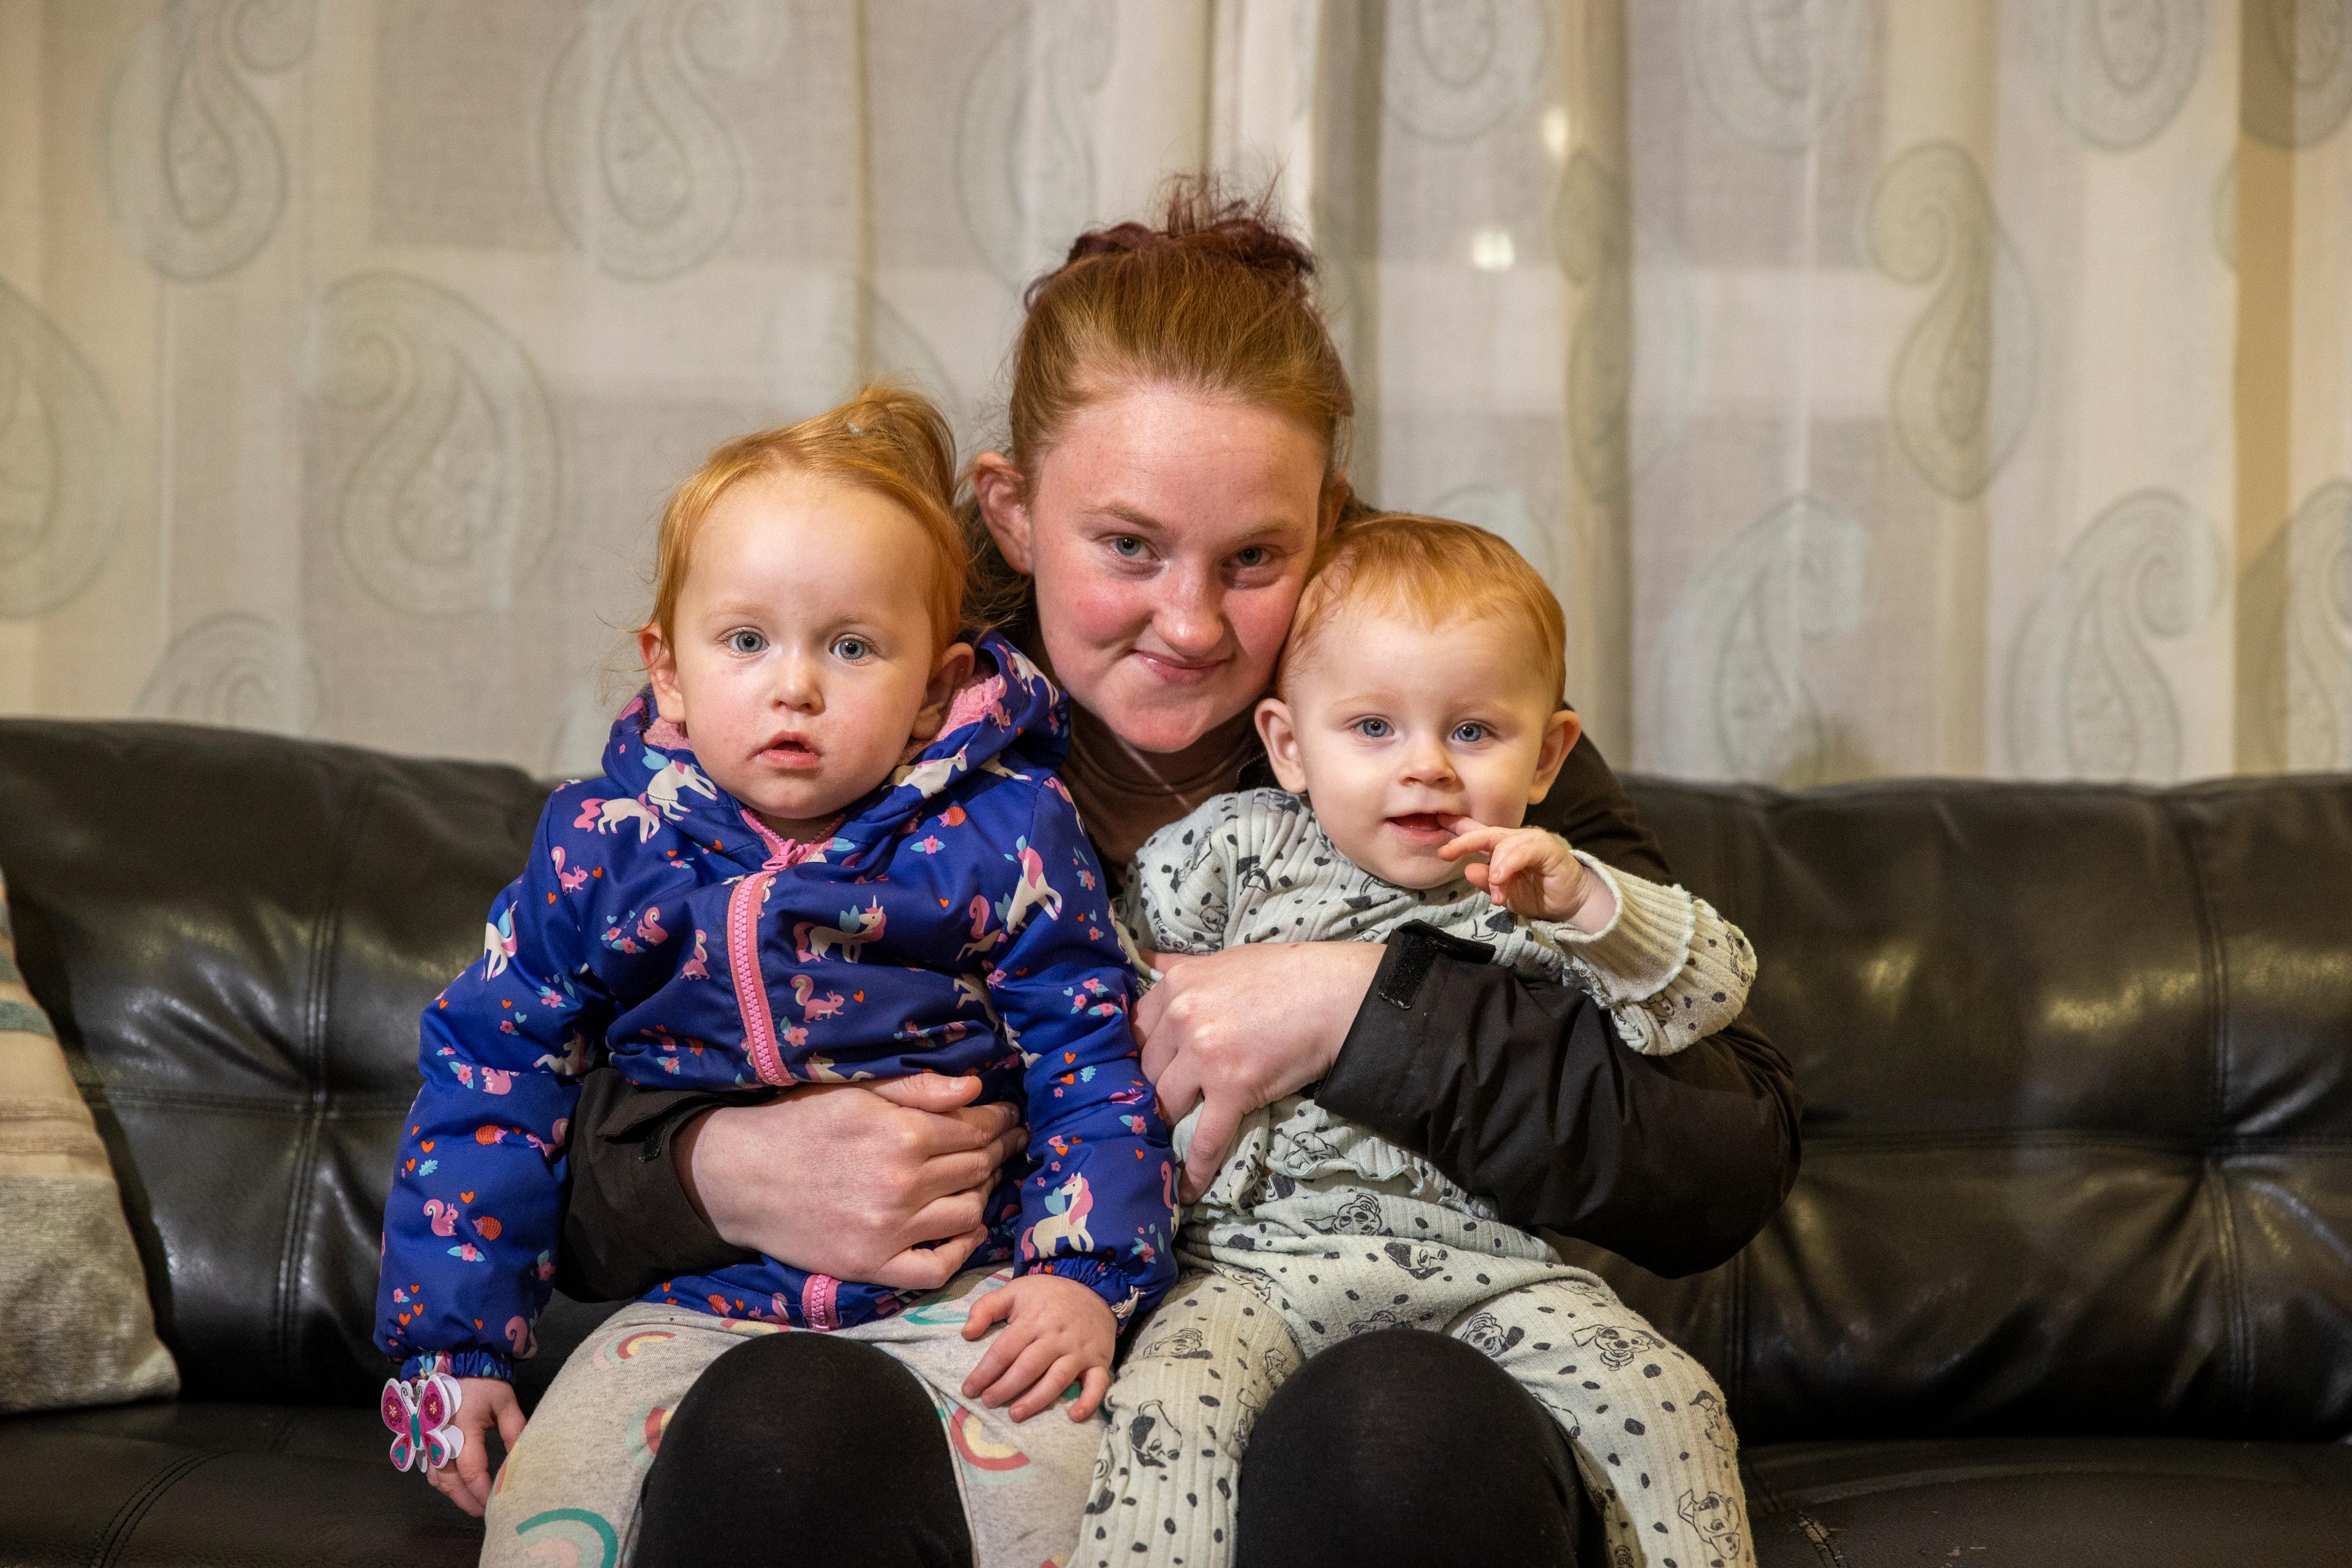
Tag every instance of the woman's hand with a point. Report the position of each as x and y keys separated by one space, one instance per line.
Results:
x=481 y=1401
x=849 y=1179
x=1235 y=1030
x=1056 y=1332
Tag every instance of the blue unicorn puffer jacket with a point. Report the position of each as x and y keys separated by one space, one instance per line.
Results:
x=956 y=922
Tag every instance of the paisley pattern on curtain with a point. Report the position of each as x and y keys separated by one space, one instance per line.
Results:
x=1956 y=386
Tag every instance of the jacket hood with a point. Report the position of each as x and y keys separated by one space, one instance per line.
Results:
x=1007 y=706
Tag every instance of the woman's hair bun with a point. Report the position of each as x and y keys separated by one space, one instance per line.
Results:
x=1204 y=216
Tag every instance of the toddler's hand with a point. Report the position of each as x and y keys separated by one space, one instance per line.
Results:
x=1531 y=872
x=480 y=1401
x=1056 y=1332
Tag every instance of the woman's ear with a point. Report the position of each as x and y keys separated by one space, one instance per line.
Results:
x=1336 y=491
x=661 y=669
x=949 y=671
x=1004 y=500
x=1561 y=732
x=1280 y=733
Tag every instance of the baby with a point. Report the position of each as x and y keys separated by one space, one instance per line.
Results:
x=1416 y=718
x=828 y=846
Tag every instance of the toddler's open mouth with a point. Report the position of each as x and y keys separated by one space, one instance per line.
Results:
x=1423 y=828
x=790 y=754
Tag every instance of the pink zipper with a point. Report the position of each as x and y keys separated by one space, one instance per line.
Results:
x=817 y=1304
x=743 y=949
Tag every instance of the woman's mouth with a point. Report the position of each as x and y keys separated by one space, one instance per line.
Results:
x=1177 y=671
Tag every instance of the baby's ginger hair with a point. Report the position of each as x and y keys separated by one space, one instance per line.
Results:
x=1435 y=571
x=887 y=441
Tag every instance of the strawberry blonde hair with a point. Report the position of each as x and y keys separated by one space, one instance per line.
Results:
x=1214 y=298
x=1437 y=572
x=887 y=441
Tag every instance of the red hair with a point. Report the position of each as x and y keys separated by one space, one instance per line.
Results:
x=887 y=440
x=1435 y=572
x=1215 y=299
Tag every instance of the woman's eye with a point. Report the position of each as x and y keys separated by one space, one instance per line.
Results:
x=745 y=642
x=1130 y=548
x=1470 y=734
x=851 y=648
x=1250 y=557
x=1372 y=729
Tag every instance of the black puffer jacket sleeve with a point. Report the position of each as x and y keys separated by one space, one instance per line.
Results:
x=1522 y=1091
x=627 y=1222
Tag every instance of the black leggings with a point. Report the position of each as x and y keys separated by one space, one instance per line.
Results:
x=1400 y=1446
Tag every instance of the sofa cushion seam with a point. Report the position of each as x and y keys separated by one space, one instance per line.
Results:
x=326 y=931
x=135 y=1507
x=2214 y=971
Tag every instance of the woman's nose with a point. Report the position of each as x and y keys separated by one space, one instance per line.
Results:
x=1190 y=617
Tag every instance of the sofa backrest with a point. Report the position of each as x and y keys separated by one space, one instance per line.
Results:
x=2077 y=1071
x=235 y=936
x=2077 y=1064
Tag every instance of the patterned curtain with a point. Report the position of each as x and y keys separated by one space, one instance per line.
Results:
x=1889 y=386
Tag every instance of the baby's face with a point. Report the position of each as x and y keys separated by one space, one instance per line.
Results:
x=1396 y=731
x=801 y=662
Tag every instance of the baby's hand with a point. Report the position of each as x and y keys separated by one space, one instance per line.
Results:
x=1056 y=1332
x=1531 y=872
x=480 y=1401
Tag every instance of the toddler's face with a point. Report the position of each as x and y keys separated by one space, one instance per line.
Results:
x=800 y=661
x=1396 y=731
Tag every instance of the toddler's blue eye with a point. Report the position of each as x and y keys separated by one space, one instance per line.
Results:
x=1372 y=729
x=1470 y=734
x=851 y=648
x=745 y=642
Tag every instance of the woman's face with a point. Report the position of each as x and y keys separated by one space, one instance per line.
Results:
x=1168 y=533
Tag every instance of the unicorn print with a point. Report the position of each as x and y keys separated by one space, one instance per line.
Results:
x=982 y=938
x=929 y=778
x=1033 y=892
x=858 y=927
x=497 y=944
x=606 y=816
x=1066 y=1222
x=671 y=776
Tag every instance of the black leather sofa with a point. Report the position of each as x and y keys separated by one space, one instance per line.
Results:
x=2068 y=1278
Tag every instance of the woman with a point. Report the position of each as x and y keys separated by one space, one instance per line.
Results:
x=1178 y=424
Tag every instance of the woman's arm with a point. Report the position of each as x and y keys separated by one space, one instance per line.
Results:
x=836 y=1179
x=1518 y=1088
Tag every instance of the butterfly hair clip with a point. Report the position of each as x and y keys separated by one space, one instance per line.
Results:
x=422 y=1414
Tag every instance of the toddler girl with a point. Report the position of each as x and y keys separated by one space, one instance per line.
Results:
x=1417 y=718
x=827 y=845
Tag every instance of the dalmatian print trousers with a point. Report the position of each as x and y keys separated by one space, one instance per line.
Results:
x=1312 y=1255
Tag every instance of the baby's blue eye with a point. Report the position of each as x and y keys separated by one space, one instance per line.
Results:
x=1372 y=729
x=1470 y=734
x=851 y=648
x=745 y=641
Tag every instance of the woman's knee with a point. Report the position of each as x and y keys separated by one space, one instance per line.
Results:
x=1404 y=1446
x=743 y=1465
